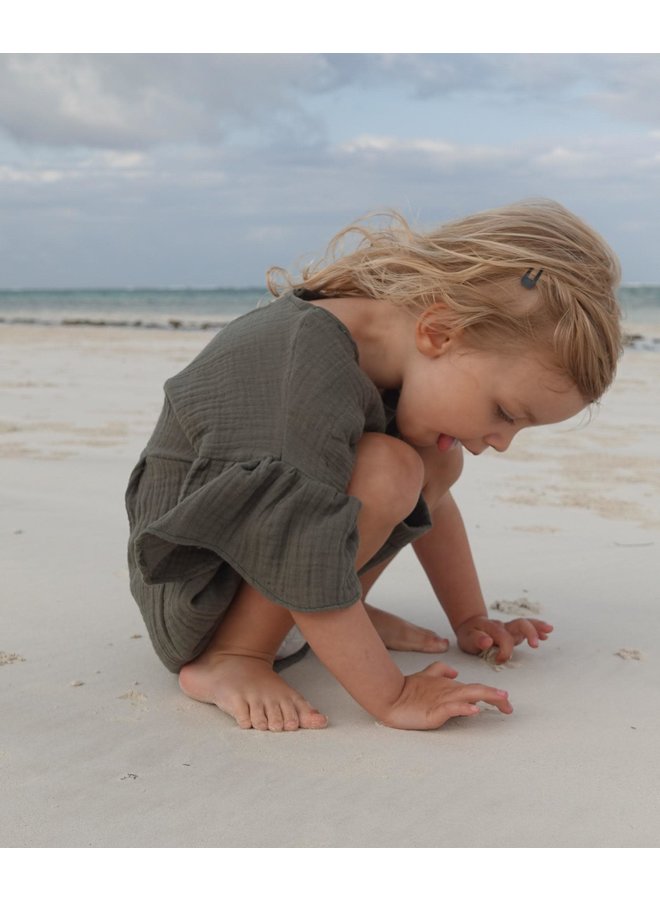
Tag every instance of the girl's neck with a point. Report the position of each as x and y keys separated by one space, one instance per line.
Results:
x=382 y=333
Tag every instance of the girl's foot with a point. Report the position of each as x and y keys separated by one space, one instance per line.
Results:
x=398 y=634
x=246 y=688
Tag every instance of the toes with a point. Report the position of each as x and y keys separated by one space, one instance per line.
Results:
x=310 y=717
x=274 y=716
x=239 y=710
x=289 y=715
x=258 y=717
x=421 y=640
x=431 y=643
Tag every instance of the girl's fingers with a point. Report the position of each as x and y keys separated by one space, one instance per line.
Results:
x=504 y=640
x=452 y=710
x=500 y=699
x=482 y=692
x=524 y=629
x=543 y=628
x=440 y=670
x=532 y=630
x=505 y=636
x=482 y=641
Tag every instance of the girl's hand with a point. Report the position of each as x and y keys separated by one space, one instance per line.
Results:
x=480 y=633
x=430 y=697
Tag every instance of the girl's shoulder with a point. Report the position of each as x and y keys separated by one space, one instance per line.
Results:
x=266 y=344
x=294 y=321
x=282 y=370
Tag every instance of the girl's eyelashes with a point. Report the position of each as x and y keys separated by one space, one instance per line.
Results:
x=503 y=415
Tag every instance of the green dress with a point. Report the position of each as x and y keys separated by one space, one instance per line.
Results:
x=245 y=477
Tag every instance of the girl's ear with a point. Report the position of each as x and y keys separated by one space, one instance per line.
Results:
x=433 y=333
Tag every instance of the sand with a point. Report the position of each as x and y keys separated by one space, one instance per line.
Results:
x=99 y=748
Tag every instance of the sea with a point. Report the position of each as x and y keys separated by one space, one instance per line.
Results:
x=194 y=309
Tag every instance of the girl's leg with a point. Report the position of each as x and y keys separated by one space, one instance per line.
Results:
x=440 y=472
x=235 y=671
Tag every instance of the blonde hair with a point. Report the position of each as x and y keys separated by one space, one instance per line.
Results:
x=471 y=269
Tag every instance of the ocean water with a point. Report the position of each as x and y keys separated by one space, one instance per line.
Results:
x=184 y=308
x=194 y=309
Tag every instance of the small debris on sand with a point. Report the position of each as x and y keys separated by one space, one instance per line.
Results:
x=7 y=658
x=520 y=607
x=134 y=696
x=77 y=683
x=627 y=653
x=489 y=655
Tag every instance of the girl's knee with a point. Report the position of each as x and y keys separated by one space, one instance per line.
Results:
x=388 y=474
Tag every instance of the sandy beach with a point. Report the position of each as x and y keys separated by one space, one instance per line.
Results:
x=98 y=747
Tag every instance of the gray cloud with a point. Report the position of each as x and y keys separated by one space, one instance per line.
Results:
x=630 y=88
x=208 y=169
x=138 y=101
x=220 y=214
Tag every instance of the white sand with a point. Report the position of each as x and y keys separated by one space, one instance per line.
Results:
x=99 y=748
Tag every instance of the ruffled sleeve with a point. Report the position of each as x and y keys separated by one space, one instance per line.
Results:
x=292 y=537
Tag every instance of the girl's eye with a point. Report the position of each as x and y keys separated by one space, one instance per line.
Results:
x=503 y=415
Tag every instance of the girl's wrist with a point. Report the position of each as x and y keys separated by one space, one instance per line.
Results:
x=478 y=613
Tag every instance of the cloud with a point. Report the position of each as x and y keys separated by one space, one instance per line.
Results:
x=626 y=85
x=17 y=175
x=565 y=159
x=525 y=165
x=429 y=151
x=210 y=168
x=138 y=101
x=521 y=73
x=630 y=87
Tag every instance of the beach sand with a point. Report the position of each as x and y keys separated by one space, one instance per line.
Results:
x=99 y=748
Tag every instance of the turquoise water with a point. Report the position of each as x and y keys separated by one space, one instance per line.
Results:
x=211 y=308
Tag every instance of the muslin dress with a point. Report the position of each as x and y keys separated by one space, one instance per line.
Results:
x=245 y=477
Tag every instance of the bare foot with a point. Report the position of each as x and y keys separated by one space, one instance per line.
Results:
x=398 y=634
x=248 y=689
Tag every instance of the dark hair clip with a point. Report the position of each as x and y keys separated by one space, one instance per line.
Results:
x=530 y=283
x=305 y=294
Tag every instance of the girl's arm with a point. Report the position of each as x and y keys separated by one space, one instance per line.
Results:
x=348 y=645
x=445 y=555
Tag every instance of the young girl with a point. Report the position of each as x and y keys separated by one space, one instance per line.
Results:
x=316 y=436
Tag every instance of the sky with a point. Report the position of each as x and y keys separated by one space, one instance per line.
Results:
x=201 y=170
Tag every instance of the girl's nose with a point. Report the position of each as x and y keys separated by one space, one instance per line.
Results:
x=500 y=442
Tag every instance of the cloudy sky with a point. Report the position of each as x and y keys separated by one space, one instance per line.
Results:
x=201 y=170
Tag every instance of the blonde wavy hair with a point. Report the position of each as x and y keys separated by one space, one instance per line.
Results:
x=470 y=271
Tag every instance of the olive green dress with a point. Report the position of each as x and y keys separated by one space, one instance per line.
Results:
x=245 y=477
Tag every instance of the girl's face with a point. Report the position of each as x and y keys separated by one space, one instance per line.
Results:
x=478 y=398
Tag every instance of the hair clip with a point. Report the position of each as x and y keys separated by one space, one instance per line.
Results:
x=304 y=294
x=530 y=283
